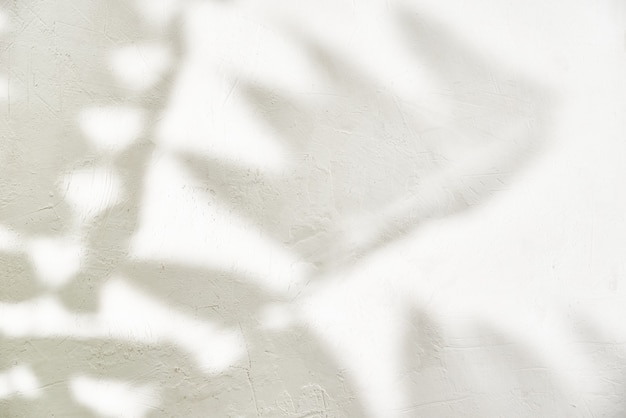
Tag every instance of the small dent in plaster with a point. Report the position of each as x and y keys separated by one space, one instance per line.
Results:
x=113 y=398
x=19 y=381
x=112 y=128
x=140 y=66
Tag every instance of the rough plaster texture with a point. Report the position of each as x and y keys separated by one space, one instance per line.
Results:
x=312 y=209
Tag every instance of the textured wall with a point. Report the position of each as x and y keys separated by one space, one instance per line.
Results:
x=330 y=208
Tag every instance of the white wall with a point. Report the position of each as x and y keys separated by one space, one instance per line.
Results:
x=312 y=209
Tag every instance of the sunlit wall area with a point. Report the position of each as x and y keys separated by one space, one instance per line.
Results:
x=236 y=208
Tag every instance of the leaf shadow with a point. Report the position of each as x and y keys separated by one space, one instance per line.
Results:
x=365 y=167
x=284 y=360
x=480 y=371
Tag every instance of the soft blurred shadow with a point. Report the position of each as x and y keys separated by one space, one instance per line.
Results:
x=484 y=372
x=606 y=367
x=59 y=68
x=340 y=198
x=365 y=168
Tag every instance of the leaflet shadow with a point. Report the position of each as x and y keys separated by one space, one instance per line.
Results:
x=367 y=167
x=484 y=372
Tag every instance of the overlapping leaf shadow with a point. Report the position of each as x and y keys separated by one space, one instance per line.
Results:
x=347 y=149
x=276 y=366
x=487 y=372
x=364 y=160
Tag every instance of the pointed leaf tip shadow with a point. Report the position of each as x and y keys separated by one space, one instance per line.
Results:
x=470 y=74
x=448 y=371
x=289 y=118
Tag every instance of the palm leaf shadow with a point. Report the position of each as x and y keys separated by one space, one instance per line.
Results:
x=486 y=372
x=363 y=160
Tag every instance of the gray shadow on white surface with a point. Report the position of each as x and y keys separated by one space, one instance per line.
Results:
x=365 y=158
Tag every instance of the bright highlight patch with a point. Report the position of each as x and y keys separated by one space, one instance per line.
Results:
x=19 y=381
x=112 y=128
x=125 y=314
x=113 y=398
x=140 y=66
x=55 y=260
x=91 y=191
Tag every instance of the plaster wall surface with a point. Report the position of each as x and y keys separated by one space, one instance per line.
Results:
x=312 y=209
